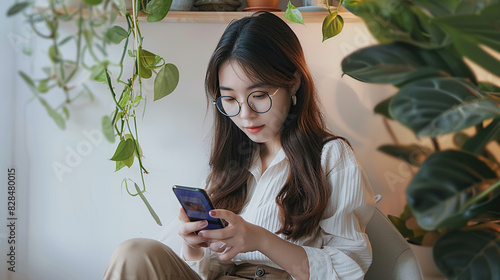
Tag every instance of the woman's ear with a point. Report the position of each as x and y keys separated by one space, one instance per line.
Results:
x=296 y=84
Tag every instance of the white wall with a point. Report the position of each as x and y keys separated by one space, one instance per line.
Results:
x=68 y=229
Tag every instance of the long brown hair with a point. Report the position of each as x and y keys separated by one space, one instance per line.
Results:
x=270 y=52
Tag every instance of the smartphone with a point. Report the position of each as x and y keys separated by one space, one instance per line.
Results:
x=197 y=205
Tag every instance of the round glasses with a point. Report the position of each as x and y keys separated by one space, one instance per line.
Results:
x=259 y=101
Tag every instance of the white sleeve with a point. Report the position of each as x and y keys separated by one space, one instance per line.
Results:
x=345 y=251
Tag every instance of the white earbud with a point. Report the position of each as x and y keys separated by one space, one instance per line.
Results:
x=294 y=99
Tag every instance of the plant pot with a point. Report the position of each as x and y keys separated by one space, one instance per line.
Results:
x=217 y=5
x=177 y=5
x=262 y=5
x=426 y=260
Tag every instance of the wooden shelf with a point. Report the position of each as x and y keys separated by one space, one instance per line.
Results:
x=225 y=17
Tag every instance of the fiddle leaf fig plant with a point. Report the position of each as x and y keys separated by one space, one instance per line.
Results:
x=95 y=31
x=426 y=51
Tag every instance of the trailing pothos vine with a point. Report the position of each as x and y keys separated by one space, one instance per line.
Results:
x=66 y=78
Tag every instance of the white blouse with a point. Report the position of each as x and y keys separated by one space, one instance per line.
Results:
x=339 y=249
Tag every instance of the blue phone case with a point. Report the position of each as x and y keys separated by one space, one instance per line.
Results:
x=197 y=205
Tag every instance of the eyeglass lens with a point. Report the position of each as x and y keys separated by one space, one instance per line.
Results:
x=259 y=101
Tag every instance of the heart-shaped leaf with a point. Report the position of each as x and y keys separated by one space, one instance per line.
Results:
x=332 y=25
x=293 y=14
x=124 y=150
x=158 y=9
x=472 y=254
x=166 y=81
x=116 y=34
x=438 y=106
x=439 y=194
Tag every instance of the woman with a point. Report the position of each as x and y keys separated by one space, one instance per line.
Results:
x=294 y=197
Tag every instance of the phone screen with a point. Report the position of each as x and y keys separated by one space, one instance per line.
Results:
x=197 y=205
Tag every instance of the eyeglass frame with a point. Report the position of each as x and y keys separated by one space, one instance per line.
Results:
x=240 y=103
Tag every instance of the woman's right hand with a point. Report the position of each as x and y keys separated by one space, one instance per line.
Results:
x=193 y=243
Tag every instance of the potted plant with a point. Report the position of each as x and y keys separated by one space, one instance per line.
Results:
x=426 y=50
x=65 y=80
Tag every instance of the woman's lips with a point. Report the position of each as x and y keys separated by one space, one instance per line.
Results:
x=254 y=129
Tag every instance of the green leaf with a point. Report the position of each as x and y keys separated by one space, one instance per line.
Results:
x=459 y=139
x=468 y=32
x=293 y=14
x=128 y=162
x=151 y=211
x=98 y=72
x=407 y=233
x=65 y=112
x=438 y=194
x=53 y=114
x=119 y=165
x=413 y=154
x=54 y=54
x=124 y=98
x=43 y=86
x=478 y=142
x=92 y=2
x=116 y=34
x=121 y=6
x=166 y=81
x=401 y=63
x=16 y=8
x=107 y=129
x=28 y=81
x=332 y=25
x=158 y=9
x=383 y=108
x=489 y=87
x=438 y=106
x=146 y=58
x=469 y=253
x=124 y=150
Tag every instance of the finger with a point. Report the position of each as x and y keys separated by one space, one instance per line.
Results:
x=195 y=241
x=191 y=227
x=183 y=216
x=218 y=246
x=228 y=254
x=227 y=215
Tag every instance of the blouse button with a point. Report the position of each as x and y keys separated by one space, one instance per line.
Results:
x=260 y=272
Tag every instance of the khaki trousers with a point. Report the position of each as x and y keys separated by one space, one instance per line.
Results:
x=148 y=259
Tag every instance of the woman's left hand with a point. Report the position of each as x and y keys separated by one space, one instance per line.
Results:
x=238 y=237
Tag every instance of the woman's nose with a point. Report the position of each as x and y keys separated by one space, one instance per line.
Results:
x=246 y=111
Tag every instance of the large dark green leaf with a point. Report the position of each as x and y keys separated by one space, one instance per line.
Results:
x=158 y=9
x=440 y=192
x=382 y=108
x=468 y=32
x=402 y=63
x=472 y=254
x=396 y=21
x=477 y=143
x=413 y=154
x=166 y=81
x=438 y=106
x=444 y=8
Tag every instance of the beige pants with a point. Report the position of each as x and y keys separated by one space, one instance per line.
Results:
x=147 y=259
